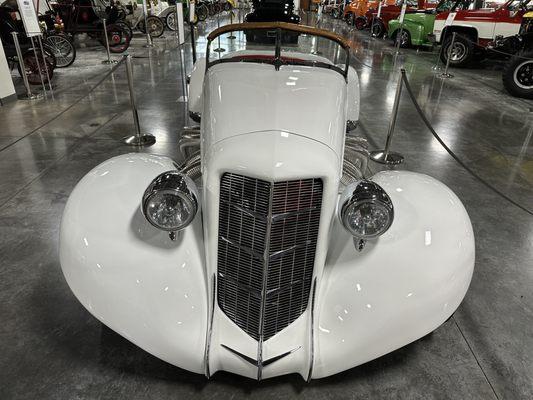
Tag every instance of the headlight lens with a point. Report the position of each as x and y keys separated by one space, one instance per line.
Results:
x=367 y=210
x=170 y=202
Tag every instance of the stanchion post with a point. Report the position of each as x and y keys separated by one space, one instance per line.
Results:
x=137 y=139
x=231 y=35
x=386 y=156
x=399 y=35
x=148 y=37
x=38 y=65
x=219 y=49
x=29 y=95
x=108 y=61
x=45 y=65
x=445 y=74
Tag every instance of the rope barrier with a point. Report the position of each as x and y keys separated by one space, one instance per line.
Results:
x=451 y=153
x=69 y=107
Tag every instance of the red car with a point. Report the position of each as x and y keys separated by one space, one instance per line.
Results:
x=379 y=26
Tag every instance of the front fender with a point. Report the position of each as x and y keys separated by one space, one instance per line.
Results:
x=127 y=273
x=401 y=286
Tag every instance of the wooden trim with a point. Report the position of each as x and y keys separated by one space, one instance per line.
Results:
x=280 y=25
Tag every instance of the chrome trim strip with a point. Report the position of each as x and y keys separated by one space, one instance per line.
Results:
x=245 y=249
x=210 y=330
x=255 y=363
x=278 y=254
x=264 y=288
x=312 y=334
x=278 y=217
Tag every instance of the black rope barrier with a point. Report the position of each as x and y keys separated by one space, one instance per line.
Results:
x=115 y=67
x=450 y=152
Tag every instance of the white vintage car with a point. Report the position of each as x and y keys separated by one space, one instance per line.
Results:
x=268 y=251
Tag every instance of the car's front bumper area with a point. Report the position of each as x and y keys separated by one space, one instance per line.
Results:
x=157 y=293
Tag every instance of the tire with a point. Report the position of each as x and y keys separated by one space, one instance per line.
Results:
x=377 y=29
x=211 y=9
x=32 y=71
x=170 y=21
x=62 y=48
x=360 y=23
x=517 y=75
x=127 y=28
x=462 y=52
x=217 y=7
x=405 y=39
x=118 y=38
x=156 y=26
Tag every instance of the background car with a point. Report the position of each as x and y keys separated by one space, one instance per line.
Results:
x=270 y=11
x=476 y=29
x=379 y=26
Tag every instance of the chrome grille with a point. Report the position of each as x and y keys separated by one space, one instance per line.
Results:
x=267 y=228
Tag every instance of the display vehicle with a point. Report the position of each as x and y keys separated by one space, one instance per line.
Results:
x=380 y=25
x=271 y=11
x=269 y=250
x=418 y=26
x=85 y=16
x=33 y=59
x=476 y=29
x=518 y=72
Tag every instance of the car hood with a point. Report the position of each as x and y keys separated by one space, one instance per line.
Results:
x=245 y=97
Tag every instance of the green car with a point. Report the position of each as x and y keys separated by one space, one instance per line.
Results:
x=417 y=27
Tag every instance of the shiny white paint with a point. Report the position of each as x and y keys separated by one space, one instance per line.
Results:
x=158 y=293
x=353 y=93
x=127 y=273
x=403 y=285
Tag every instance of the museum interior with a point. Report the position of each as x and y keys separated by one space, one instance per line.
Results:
x=266 y=199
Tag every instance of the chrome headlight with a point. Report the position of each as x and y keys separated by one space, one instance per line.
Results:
x=367 y=210
x=170 y=202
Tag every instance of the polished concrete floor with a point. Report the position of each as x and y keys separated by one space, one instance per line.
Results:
x=52 y=348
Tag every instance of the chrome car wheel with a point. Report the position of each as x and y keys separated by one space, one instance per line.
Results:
x=523 y=75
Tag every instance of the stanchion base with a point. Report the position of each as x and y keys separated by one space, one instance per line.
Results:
x=316 y=52
x=143 y=140
x=109 y=62
x=231 y=37
x=149 y=46
x=219 y=50
x=445 y=75
x=436 y=68
x=391 y=159
x=37 y=96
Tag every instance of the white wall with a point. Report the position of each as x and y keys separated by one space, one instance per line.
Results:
x=6 y=83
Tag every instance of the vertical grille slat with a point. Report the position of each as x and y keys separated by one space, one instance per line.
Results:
x=249 y=208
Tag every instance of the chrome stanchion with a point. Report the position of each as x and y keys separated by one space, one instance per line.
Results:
x=219 y=49
x=29 y=95
x=38 y=65
x=45 y=66
x=386 y=156
x=400 y=34
x=317 y=25
x=148 y=37
x=108 y=61
x=137 y=139
x=231 y=35
x=445 y=74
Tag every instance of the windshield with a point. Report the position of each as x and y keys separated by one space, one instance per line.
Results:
x=280 y=43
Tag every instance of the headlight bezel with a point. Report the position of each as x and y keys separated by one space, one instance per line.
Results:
x=173 y=183
x=359 y=194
